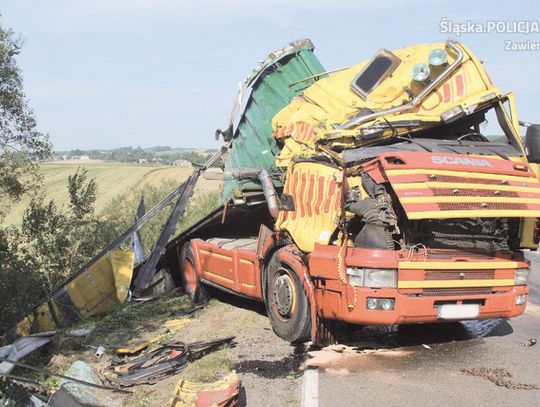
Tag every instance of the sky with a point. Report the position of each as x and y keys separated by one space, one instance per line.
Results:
x=106 y=73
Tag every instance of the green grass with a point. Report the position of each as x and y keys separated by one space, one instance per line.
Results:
x=210 y=367
x=113 y=179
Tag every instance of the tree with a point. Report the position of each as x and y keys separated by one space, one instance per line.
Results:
x=21 y=144
x=52 y=242
x=59 y=241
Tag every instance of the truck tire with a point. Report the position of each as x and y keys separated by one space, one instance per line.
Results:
x=287 y=304
x=162 y=283
x=189 y=277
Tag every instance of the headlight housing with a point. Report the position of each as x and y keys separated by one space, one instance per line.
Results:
x=420 y=72
x=438 y=57
x=373 y=278
x=522 y=276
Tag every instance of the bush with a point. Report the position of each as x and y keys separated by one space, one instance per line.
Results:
x=119 y=214
x=51 y=243
x=54 y=241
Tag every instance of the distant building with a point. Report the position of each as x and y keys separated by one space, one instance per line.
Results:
x=80 y=157
x=142 y=161
x=182 y=163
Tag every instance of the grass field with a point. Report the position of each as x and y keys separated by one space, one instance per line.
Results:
x=112 y=178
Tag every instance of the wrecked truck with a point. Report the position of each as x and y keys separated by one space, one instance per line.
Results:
x=395 y=191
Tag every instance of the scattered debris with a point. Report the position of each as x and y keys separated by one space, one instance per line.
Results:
x=530 y=342
x=73 y=393
x=175 y=323
x=73 y=379
x=22 y=347
x=499 y=376
x=81 y=332
x=426 y=346
x=154 y=365
x=223 y=393
x=63 y=398
x=96 y=289
x=100 y=351
x=170 y=325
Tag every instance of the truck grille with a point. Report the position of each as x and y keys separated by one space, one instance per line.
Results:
x=448 y=254
x=472 y=206
x=459 y=275
x=473 y=192
x=465 y=180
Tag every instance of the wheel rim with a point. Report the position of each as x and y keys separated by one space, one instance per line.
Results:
x=189 y=276
x=284 y=295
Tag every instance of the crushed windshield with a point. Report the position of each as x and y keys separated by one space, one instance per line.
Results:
x=484 y=132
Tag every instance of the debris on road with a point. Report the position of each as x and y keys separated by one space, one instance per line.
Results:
x=154 y=365
x=223 y=393
x=22 y=347
x=175 y=323
x=81 y=332
x=530 y=342
x=100 y=351
x=499 y=376
x=70 y=378
x=170 y=325
x=76 y=393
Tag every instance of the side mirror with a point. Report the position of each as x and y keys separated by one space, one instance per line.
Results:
x=532 y=142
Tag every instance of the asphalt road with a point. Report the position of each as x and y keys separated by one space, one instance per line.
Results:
x=422 y=365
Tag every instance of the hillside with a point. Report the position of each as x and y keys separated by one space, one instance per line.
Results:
x=112 y=178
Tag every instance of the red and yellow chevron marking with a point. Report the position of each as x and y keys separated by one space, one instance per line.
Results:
x=299 y=131
x=454 y=89
x=317 y=198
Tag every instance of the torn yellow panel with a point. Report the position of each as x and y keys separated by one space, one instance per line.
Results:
x=95 y=291
x=316 y=192
x=104 y=285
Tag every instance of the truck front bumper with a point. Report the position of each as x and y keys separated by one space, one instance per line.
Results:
x=410 y=309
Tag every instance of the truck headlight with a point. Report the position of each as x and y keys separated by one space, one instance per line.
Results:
x=385 y=304
x=438 y=57
x=374 y=278
x=522 y=276
x=453 y=114
x=420 y=72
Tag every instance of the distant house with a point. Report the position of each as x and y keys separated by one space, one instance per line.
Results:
x=142 y=161
x=182 y=163
x=85 y=157
x=80 y=157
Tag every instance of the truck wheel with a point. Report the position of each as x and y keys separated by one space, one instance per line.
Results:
x=189 y=277
x=162 y=283
x=287 y=303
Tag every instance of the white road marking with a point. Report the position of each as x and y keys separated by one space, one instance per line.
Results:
x=310 y=388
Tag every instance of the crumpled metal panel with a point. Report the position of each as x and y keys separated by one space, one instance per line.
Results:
x=264 y=93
